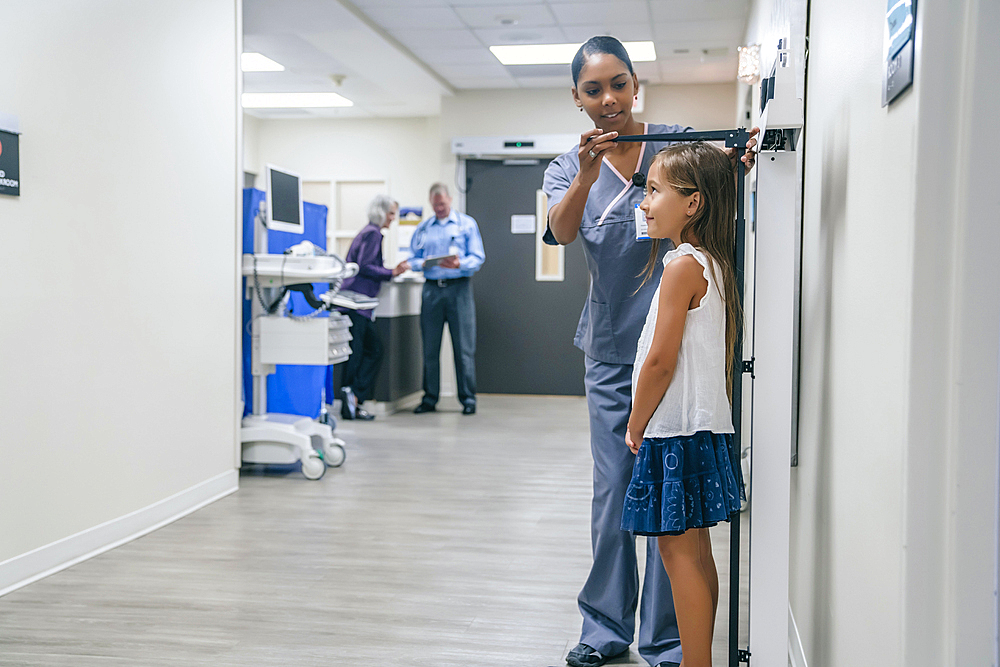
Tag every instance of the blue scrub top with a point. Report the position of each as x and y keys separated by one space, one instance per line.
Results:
x=614 y=313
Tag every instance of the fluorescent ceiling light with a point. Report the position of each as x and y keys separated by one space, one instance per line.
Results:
x=294 y=100
x=258 y=62
x=562 y=54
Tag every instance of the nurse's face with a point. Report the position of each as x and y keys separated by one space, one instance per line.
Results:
x=605 y=90
x=667 y=211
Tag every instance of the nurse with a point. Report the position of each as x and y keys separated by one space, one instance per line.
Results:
x=591 y=196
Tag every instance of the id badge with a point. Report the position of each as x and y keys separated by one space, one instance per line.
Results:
x=641 y=229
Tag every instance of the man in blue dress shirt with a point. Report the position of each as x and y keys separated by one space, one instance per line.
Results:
x=447 y=295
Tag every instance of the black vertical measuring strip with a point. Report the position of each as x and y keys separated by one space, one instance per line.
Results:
x=737 y=139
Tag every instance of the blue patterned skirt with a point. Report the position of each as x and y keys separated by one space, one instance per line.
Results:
x=683 y=482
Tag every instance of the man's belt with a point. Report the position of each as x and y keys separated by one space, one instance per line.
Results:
x=444 y=282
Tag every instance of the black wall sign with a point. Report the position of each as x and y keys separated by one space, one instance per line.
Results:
x=10 y=172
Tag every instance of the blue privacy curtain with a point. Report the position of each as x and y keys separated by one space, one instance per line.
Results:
x=292 y=389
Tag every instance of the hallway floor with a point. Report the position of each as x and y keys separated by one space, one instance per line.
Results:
x=444 y=540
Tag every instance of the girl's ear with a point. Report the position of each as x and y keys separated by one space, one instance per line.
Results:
x=693 y=204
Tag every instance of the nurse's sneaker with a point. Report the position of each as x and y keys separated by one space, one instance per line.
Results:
x=585 y=656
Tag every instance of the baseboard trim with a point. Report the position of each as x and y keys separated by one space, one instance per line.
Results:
x=39 y=563
x=796 y=655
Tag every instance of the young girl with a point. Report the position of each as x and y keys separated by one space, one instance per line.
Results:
x=684 y=480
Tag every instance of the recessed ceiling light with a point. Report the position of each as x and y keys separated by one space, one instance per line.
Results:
x=294 y=100
x=258 y=62
x=562 y=54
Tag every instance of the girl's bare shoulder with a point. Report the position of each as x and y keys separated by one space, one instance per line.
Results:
x=685 y=268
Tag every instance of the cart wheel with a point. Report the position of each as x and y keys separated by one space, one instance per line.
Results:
x=334 y=454
x=313 y=467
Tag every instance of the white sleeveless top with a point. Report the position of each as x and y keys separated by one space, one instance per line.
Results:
x=696 y=399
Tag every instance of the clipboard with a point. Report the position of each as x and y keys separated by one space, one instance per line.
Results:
x=435 y=261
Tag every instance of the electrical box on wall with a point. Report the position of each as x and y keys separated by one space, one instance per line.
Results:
x=534 y=145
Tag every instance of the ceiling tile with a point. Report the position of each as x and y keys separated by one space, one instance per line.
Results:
x=481 y=3
x=270 y=17
x=685 y=49
x=365 y=4
x=442 y=56
x=684 y=10
x=420 y=18
x=534 y=71
x=481 y=83
x=589 y=13
x=547 y=82
x=647 y=71
x=494 y=37
x=491 y=16
x=471 y=71
x=457 y=39
x=631 y=32
x=730 y=31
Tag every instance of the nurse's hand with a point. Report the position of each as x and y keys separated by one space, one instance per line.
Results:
x=628 y=441
x=749 y=157
x=593 y=143
x=451 y=262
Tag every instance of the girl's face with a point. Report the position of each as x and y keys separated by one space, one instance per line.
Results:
x=605 y=90
x=667 y=211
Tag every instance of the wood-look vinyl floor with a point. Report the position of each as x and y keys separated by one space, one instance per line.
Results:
x=444 y=540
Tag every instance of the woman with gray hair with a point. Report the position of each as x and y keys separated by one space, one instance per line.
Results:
x=362 y=367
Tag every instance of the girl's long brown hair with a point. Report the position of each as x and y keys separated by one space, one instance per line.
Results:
x=705 y=168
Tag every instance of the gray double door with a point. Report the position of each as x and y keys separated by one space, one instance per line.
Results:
x=525 y=328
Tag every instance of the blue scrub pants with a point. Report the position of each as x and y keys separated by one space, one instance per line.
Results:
x=610 y=596
x=449 y=301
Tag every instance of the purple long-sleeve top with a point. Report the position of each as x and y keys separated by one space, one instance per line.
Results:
x=366 y=252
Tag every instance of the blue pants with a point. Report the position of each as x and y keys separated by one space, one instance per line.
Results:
x=449 y=302
x=610 y=595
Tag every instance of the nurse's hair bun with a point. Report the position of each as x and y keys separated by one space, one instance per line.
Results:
x=599 y=44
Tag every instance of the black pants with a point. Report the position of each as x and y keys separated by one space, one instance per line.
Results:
x=449 y=302
x=361 y=369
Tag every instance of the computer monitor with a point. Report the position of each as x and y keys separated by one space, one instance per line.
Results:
x=284 y=201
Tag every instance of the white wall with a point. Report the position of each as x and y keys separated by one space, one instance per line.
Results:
x=251 y=145
x=118 y=260
x=401 y=151
x=893 y=533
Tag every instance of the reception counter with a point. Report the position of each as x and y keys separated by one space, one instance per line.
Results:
x=397 y=320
